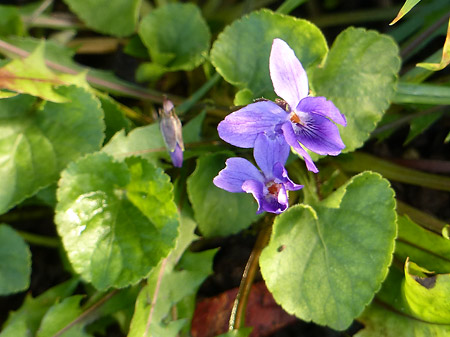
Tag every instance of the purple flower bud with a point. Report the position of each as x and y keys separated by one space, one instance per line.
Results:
x=171 y=131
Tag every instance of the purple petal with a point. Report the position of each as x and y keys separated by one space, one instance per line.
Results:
x=241 y=127
x=257 y=189
x=281 y=176
x=177 y=156
x=321 y=106
x=318 y=134
x=288 y=76
x=291 y=139
x=266 y=202
x=237 y=171
x=269 y=151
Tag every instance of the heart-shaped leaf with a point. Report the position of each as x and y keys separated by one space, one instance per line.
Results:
x=38 y=140
x=241 y=52
x=360 y=78
x=176 y=36
x=325 y=264
x=117 y=220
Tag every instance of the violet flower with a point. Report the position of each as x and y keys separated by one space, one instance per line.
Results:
x=302 y=121
x=171 y=131
x=268 y=187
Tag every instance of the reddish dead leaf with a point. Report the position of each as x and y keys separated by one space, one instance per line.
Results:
x=263 y=314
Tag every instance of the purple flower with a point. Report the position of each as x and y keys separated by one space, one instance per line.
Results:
x=301 y=121
x=170 y=127
x=268 y=186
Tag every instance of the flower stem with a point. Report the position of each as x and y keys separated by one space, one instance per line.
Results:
x=155 y=297
x=237 y=318
x=40 y=240
x=189 y=103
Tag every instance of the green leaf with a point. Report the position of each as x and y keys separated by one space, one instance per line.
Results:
x=10 y=21
x=379 y=321
x=413 y=93
x=218 y=212
x=59 y=316
x=15 y=262
x=191 y=272
x=407 y=6
x=112 y=17
x=31 y=76
x=145 y=141
x=115 y=119
x=427 y=294
x=25 y=321
x=390 y=315
x=176 y=36
x=423 y=246
x=326 y=263
x=117 y=220
x=241 y=52
x=360 y=78
x=38 y=140
x=445 y=59
x=421 y=123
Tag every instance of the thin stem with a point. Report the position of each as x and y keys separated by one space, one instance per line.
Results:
x=190 y=102
x=122 y=88
x=88 y=312
x=44 y=5
x=237 y=318
x=403 y=120
x=40 y=240
x=155 y=296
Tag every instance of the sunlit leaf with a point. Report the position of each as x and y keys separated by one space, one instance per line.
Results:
x=31 y=76
x=326 y=263
x=176 y=36
x=15 y=262
x=117 y=220
x=445 y=60
x=218 y=212
x=114 y=17
x=407 y=6
x=427 y=294
x=390 y=316
x=38 y=140
x=360 y=78
x=241 y=52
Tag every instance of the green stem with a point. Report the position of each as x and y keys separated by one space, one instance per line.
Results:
x=237 y=318
x=423 y=36
x=358 y=162
x=119 y=86
x=40 y=240
x=190 y=102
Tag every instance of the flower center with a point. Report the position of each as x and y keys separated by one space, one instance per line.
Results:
x=273 y=188
x=295 y=119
